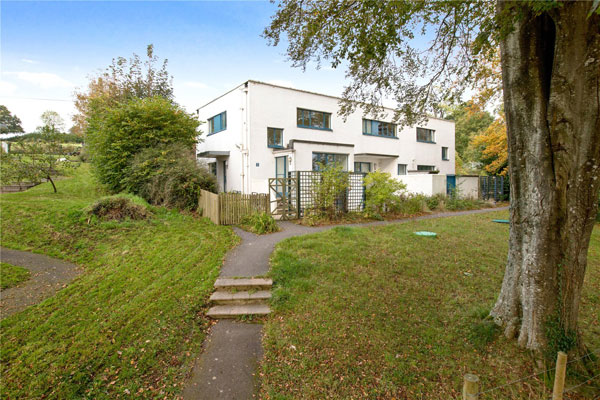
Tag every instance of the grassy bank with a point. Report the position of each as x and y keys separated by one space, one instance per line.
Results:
x=382 y=313
x=11 y=275
x=130 y=325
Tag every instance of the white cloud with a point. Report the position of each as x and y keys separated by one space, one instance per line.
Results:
x=29 y=61
x=7 y=88
x=45 y=80
x=196 y=85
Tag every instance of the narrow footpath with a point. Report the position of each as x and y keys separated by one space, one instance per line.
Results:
x=48 y=275
x=227 y=365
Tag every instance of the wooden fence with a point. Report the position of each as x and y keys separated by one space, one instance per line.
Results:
x=231 y=208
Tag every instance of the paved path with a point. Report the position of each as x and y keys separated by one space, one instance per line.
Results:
x=227 y=366
x=48 y=275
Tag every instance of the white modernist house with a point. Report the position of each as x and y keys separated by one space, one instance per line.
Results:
x=258 y=131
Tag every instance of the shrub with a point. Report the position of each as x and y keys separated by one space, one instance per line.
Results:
x=168 y=175
x=411 y=204
x=118 y=207
x=327 y=191
x=117 y=134
x=260 y=223
x=436 y=201
x=381 y=192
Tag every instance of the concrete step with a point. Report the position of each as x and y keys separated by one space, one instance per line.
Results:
x=245 y=297
x=226 y=284
x=237 y=310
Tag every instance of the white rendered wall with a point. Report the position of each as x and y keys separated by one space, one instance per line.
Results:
x=468 y=186
x=427 y=184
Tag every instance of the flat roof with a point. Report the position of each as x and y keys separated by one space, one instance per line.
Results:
x=297 y=90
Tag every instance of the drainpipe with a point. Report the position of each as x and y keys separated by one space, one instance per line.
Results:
x=246 y=166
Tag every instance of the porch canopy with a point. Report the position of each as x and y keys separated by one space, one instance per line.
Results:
x=212 y=154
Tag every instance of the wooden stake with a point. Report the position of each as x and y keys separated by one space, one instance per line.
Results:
x=471 y=387
x=559 y=376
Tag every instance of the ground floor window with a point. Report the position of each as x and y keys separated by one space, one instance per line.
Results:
x=329 y=159
x=426 y=168
x=212 y=167
x=401 y=169
x=364 y=167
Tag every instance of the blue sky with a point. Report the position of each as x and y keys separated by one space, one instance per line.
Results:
x=48 y=49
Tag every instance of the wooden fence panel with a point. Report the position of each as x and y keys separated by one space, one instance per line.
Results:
x=209 y=204
x=233 y=207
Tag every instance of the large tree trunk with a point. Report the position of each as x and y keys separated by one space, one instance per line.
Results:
x=551 y=78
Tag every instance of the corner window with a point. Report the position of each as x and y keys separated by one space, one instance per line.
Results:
x=425 y=135
x=275 y=138
x=329 y=159
x=364 y=167
x=313 y=119
x=378 y=128
x=401 y=169
x=426 y=168
x=217 y=123
x=445 y=154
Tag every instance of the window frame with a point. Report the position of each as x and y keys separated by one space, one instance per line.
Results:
x=360 y=163
x=405 y=169
x=326 y=155
x=212 y=168
x=211 y=123
x=432 y=131
x=372 y=123
x=447 y=151
x=325 y=117
x=271 y=134
x=421 y=168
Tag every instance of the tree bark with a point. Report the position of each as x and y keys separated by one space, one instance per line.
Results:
x=551 y=79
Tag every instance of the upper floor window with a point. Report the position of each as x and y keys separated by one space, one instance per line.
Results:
x=313 y=119
x=426 y=168
x=425 y=135
x=401 y=169
x=325 y=159
x=378 y=128
x=275 y=138
x=364 y=167
x=217 y=123
x=445 y=154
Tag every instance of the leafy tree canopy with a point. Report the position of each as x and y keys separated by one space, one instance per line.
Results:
x=9 y=123
x=470 y=121
x=52 y=123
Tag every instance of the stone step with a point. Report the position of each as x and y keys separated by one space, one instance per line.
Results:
x=245 y=297
x=227 y=284
x=237 y=310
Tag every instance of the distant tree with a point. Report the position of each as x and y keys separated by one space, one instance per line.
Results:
x=470 y=121
x=122 y=81
x=52 y=123
x=126 y=129
x=9 y=123
x=493 y=146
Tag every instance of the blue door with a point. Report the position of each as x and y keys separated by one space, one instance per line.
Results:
x=450 y=184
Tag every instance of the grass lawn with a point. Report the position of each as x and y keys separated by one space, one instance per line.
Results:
x=11 y=275
x=131 y=324
x=382 y=313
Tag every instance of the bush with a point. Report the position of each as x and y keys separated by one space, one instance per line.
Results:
x=411 y=204
x=117 y=134
x=382 y=192
x=118 y=207
x=260 y=223
x=326 y=191
x=168 y=176
x=436 y=201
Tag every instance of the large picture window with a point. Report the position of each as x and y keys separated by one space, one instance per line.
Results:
x=217 y=123
x=313 y=119
x=329 y=159
x=378 y=128
x=275 y=138
x=425 y=135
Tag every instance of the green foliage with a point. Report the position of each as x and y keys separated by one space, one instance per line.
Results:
x=9 y=123
x=119 y=133
x=260 y=223
x=327 y=189
x=382 y=191
x=53 y=123
x=470 y=121
x=11 y=275
x=60 y=137
x=411 y=204
x=168 y=175
x=118 y=208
